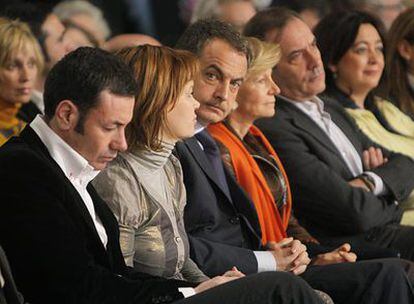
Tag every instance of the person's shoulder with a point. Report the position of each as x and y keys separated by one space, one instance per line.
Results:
x=17 y=151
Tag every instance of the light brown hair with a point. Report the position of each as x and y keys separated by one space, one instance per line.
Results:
x=396 y=85
x=161 y=73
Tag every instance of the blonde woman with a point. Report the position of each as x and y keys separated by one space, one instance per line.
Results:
x=20 y=62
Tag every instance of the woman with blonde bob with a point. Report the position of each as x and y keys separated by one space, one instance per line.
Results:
x=20 y=61
x=144 y=186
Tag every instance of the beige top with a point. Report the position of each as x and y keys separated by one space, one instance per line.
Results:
x=146 y=193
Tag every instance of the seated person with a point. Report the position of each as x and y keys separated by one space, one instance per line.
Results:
x=220 y=219
x=61 y=239
x=48 y=31
x=342 y=194
x=250 y=158
x=143 y=186
x=351 y=45
x=20 y=62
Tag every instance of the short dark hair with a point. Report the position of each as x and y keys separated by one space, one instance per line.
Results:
x=263 y=22
x=336 y=33
x=81 y=76
x=198 y=34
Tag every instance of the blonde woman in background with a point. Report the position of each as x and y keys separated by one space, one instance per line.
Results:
x=20 y=61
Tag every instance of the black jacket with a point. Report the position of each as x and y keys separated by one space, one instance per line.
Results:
x=53 y=247
x=223 y=231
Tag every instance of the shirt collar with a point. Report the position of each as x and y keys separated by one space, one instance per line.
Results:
x=37 y=99
x=74 y=165
x=313 y=105
x=199 y=127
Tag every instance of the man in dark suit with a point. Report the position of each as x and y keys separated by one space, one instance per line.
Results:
x=61 y=239
x=220 y=219
x=345 y=189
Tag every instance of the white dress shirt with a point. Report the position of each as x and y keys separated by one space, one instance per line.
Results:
x=74 y=166
x=314 y=108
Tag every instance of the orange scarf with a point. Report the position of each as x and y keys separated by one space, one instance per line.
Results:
x=250 y=177
x=10 y=125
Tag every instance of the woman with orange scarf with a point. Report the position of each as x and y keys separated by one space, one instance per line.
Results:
x=256 y=166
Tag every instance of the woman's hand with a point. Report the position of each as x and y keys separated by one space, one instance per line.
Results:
x=228 y=276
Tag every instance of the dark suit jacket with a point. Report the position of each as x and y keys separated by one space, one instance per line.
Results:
x=52 y=244
x=324 y=201
x=222 y=230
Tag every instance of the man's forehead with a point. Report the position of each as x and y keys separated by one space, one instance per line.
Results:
x=221 y=55
x=295 y=35
x=114 y=107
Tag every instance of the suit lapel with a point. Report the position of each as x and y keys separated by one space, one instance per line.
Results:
x=307 y=125
x=198 y=154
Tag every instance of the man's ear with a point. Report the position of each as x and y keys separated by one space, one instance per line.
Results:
x=405 y=49
x=66 y=115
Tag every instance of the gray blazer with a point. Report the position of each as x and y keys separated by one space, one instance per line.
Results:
x=324 y=201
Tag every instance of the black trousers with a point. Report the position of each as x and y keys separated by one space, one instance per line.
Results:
x=375 y=281
x=267 y=287
x=393 y=237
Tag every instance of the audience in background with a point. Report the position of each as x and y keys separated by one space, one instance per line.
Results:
x=49 y=31
x=20 y=62
x=386 y=10
x=86 y=16
x=352 y=49
x=235 y=12
x=128 y=40
x=75 y=37
x=311 y=11
x=399 y=67
x=345 y=190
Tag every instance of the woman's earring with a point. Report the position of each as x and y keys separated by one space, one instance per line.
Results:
x=334 y=75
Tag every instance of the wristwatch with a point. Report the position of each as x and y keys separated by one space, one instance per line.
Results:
x=368 y=181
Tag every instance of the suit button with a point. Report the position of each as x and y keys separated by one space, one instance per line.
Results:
x=234 y=220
